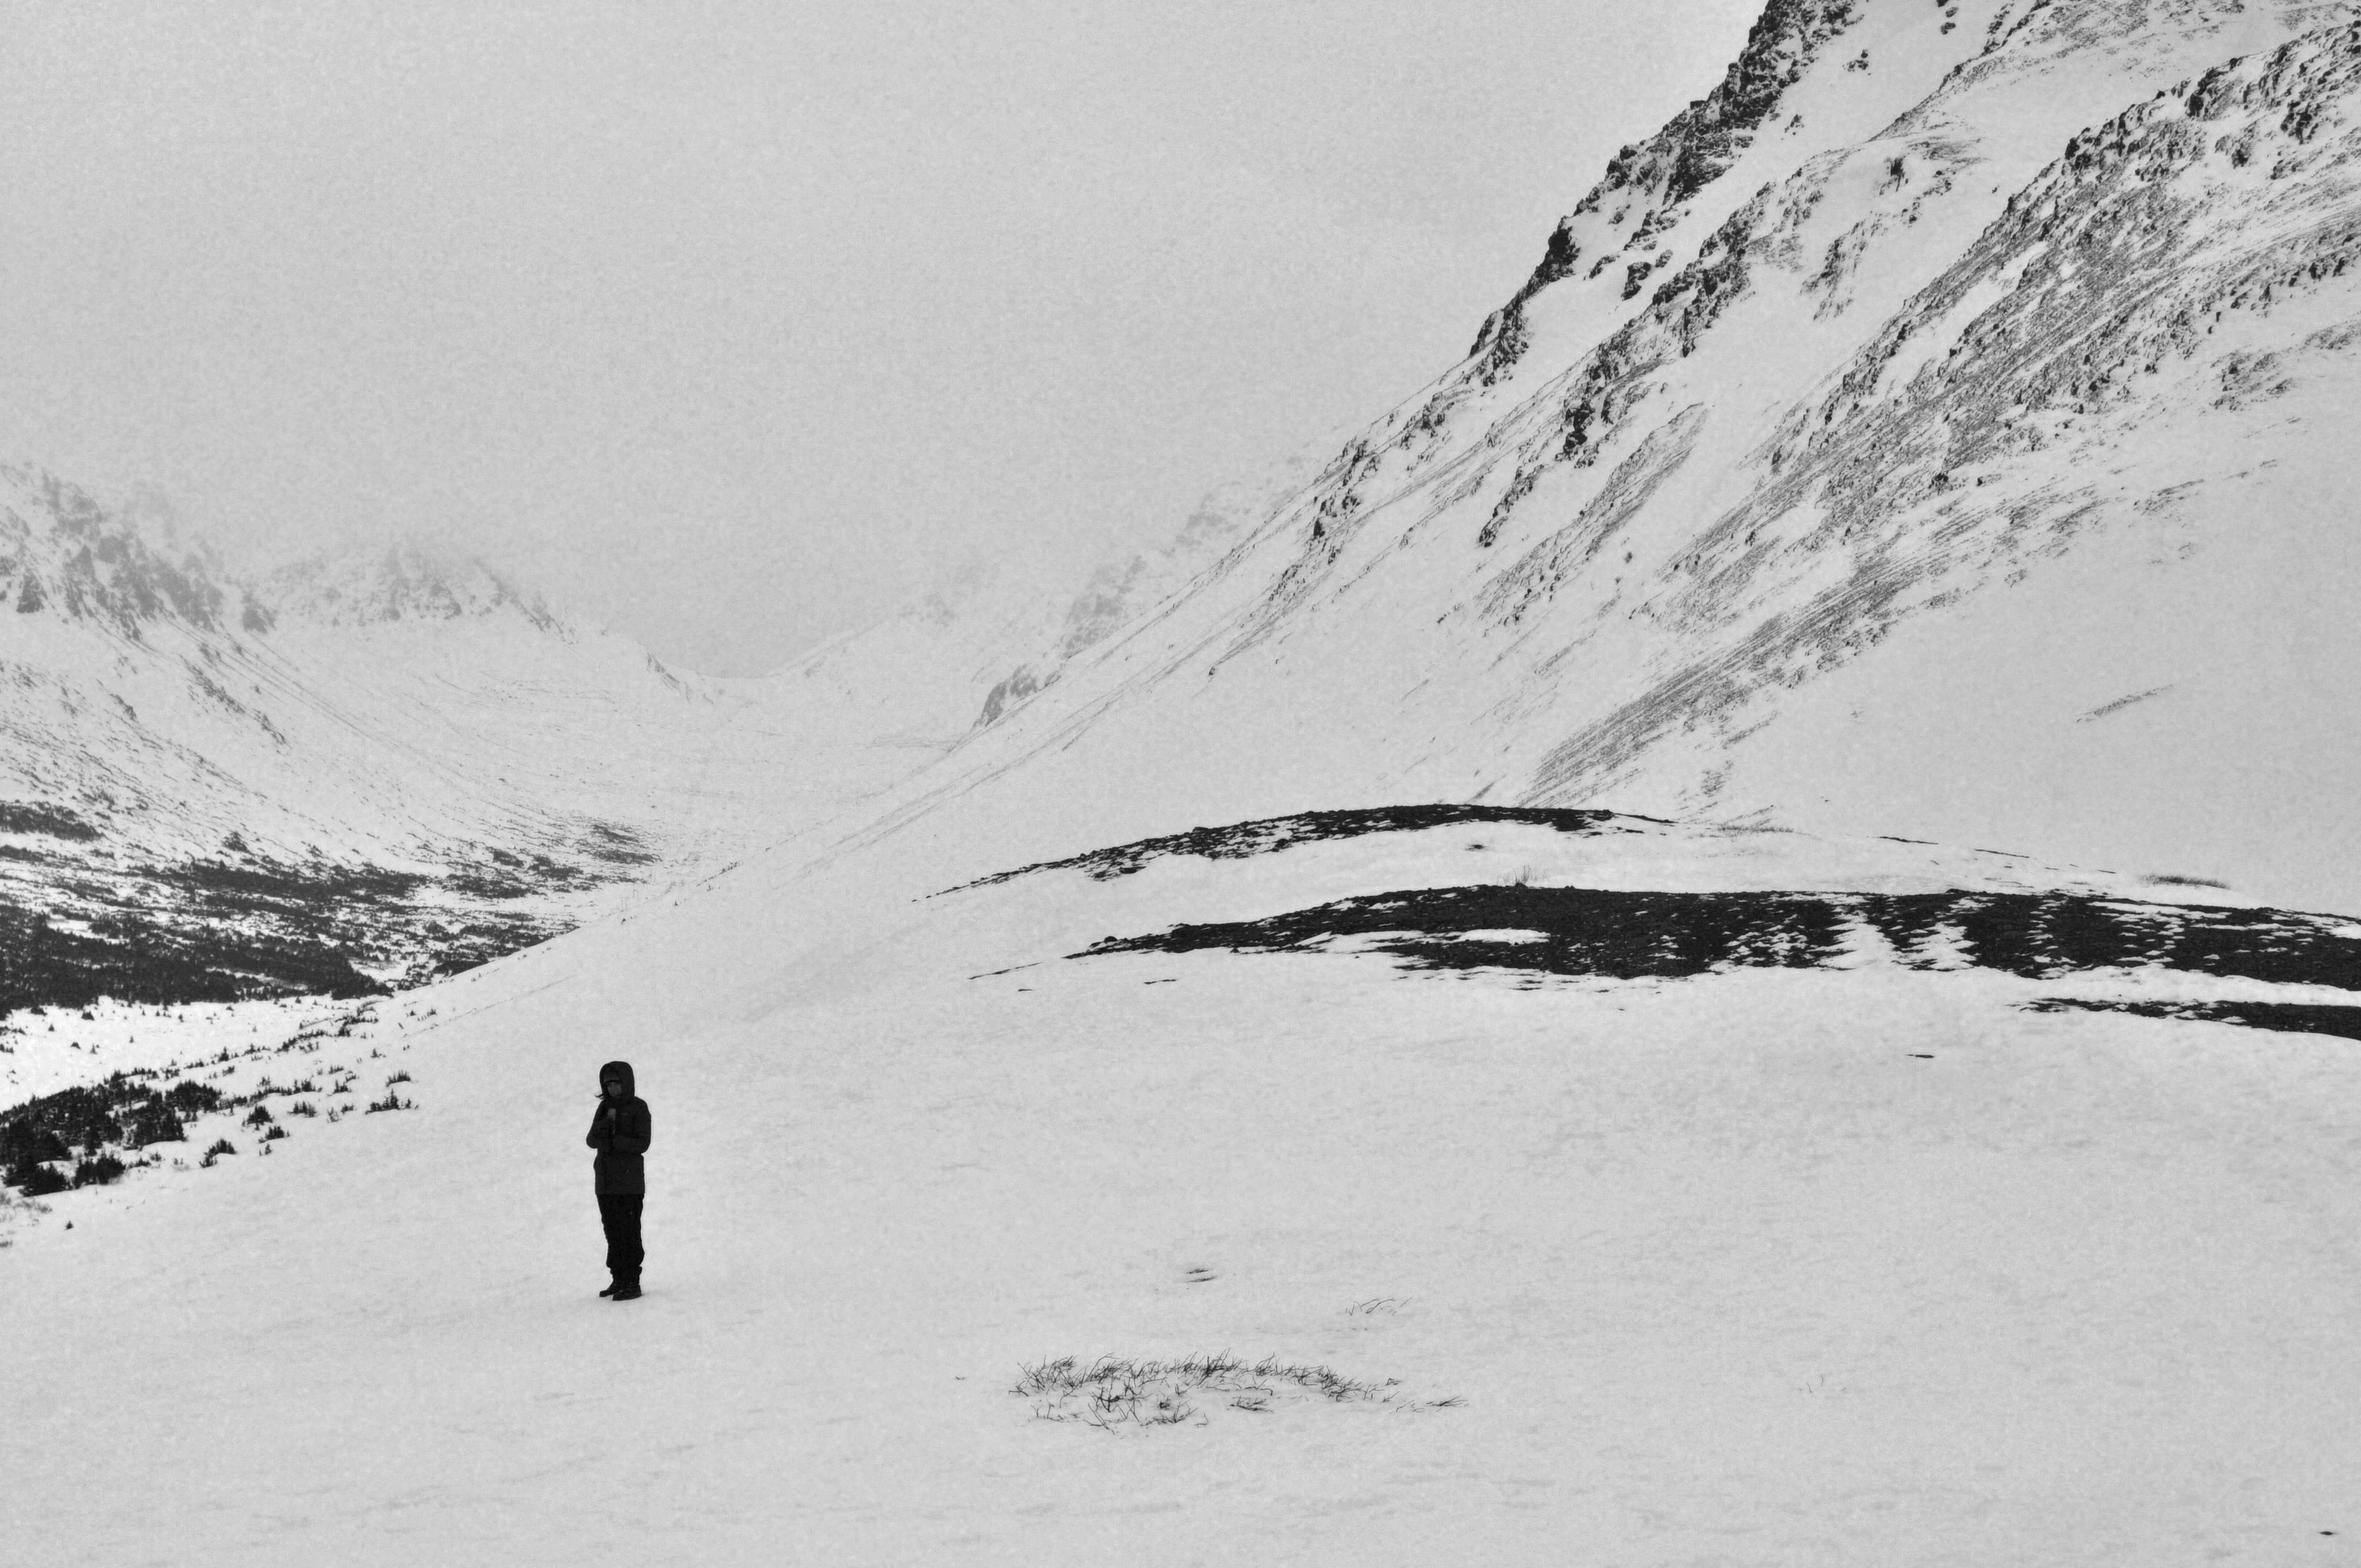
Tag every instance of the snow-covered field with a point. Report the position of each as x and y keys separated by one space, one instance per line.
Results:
x=43 y=1049
x=1863 y=1265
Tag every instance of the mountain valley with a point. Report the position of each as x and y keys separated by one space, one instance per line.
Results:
x=1728 y=937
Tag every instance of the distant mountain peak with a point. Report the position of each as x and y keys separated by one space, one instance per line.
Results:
x=63 y=554
x=1648 y=184
x=409 y=580
x=129 y=563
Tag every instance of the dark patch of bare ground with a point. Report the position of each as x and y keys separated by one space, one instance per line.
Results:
x=191 y=934
x=1630 y=936
x=155 y=960
x=1242 y=839
x=2295 y=1017
x=36 y=816
x=75 y=928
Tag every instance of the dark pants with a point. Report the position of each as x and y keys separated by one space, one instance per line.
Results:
x=620 y=1212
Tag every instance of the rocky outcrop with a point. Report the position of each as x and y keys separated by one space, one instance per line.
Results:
x=63 y=554
x=1656 y=178
x=408 y=581
x=1913 y=474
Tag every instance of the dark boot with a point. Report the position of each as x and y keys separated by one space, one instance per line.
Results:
x=612 y=1285
x=626 y=1291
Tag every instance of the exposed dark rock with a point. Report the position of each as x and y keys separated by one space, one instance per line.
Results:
x=1019 y=684
x=1696 y=148
x=101 y=567
x=1269 y=835
x=1628 y=488
x=616 y=845
x=2111 y=266
x=2297 y=1017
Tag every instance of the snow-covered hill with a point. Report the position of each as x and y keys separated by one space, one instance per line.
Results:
x=371 y=767
x=1353 y=1070
x=1862 y=443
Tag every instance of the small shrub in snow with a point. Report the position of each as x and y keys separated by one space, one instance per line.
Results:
x=1113 y=1393
x=398 y=1076
x=391 y=1101
x=221 y=1146
x=99 y=1171
x=274 y=1134
x=154 y=1123
x=23 y=1143
x=35 y=1180
x=302 y=1108
x=259 y=1116
x=191 y=1098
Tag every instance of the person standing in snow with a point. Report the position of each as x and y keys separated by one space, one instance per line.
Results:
x=620 y=1133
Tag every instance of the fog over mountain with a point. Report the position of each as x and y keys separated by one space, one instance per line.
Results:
x=733 y=327
x=1726 y=936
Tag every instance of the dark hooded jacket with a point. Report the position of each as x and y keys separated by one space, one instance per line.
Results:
x=620 y=1138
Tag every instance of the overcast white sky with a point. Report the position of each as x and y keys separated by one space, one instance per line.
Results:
x=733 y=325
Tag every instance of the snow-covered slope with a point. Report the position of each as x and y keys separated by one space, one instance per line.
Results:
x=330 y=710
x=1990 y=375
x=394 y=759
x=1895 y=1257
x=1000 y=631
x=400 y=758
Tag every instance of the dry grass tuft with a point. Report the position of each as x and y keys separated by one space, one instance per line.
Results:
x=1115 y=1393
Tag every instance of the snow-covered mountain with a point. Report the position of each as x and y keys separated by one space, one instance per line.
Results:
x=1916 y=436
x=1862 y=443
x=395 y=760
x=399 y=759
x=1388 y=1057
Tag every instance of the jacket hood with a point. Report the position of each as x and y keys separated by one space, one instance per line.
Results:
x=621 y=1070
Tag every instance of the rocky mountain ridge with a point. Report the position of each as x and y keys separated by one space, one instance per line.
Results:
x=1932 y=346
x=378 y=766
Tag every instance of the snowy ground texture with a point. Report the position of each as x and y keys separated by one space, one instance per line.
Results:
x=1867 y=1263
